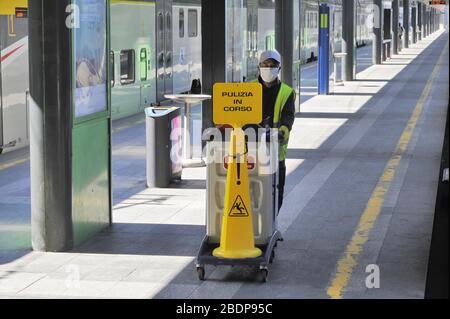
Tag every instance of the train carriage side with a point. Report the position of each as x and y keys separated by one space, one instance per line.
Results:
x=309 y=27
x=134 y=52
x=187 y=44
x=14 y=82
x=133 y=83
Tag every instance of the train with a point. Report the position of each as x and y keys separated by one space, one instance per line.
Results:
x=156 y=50
x=13 y=82
x=309 y=26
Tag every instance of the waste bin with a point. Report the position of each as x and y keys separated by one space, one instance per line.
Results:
x=263 y=178
x=164 y=145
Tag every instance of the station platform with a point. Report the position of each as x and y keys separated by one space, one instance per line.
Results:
x=363 y=166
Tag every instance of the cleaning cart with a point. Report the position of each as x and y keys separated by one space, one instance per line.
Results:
x=261 y=175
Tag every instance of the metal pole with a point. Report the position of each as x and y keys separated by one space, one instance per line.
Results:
x=377 y=32
x=284 y=28
x=348 y=40
x=419 y=20
x=324 y=50
x=432 y=20
x=406 y=23
x=428 y=21
x=425 y=20
x=395 y=13
x=50 y=126
x=436 y=25
x=430 y=30
x=435 y=19
x=414 y=24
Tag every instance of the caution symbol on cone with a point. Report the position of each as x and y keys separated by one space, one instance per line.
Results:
x=238 y=209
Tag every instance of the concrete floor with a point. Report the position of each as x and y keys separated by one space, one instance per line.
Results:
x=339 y=149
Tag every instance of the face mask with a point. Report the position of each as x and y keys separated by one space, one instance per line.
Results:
x=269 y=74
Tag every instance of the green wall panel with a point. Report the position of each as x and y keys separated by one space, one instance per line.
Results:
x=90 y=173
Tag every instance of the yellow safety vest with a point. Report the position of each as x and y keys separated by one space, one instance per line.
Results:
x=283 y=95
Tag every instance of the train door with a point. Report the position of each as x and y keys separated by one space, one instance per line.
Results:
x=144 y=74
x=252 y=40
x=164 y=44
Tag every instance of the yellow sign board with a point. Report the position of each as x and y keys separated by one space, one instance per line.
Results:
x=237 y=104
x=8 y=7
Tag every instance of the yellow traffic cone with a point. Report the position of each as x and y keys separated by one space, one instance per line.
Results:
x=236 y=239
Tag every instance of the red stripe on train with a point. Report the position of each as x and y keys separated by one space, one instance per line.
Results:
x=10 y=53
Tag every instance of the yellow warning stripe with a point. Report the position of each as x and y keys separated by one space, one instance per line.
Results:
x=347 y=263
x=14 y=163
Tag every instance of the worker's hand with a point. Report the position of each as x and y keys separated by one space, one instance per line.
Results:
x=284 y=132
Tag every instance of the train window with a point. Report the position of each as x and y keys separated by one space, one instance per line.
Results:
x=143 y=64
x=168 y=21
x=161 y=21
x=127 y=67
x=111 y=69
x=192 y=23
x=181 y=23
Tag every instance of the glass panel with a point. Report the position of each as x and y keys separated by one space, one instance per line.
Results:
x=192 y=23
x=181 y=23
x=296 y=53
x=250 y=29
x=143 y=64
x=89 y=57
x=363 y=34
x=127 y=67
x=111 y=68
x=266 y=25
x=236 y=20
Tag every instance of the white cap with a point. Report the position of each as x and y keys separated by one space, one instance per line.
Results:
x=270 y=55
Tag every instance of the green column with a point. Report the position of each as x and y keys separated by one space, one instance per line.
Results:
x=69 y=154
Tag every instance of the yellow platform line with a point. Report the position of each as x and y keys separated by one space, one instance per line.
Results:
x=127 y=126
x=14 y=163
x=348 y=262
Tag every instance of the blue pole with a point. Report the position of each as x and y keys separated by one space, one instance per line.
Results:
x=324 y=49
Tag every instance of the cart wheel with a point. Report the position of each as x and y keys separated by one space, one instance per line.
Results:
x=201 y=273
x=264 y=273
x=272 y=256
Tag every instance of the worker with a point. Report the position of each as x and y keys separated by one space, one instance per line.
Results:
x=278 y=108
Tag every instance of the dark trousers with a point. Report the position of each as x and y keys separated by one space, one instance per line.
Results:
x=281 y=181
